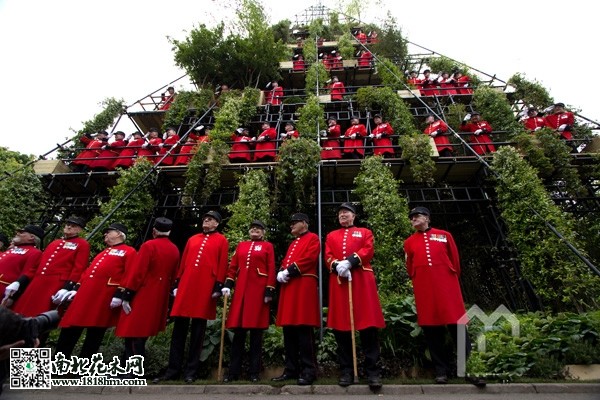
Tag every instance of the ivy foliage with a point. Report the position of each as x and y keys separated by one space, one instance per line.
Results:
x=132 y=211
x=253 y=202
x=417 y=151
x=311 y=118
x=391 y=44
x=445 y=64
x=22 y=194
x=530 y=92
x=386 y=216
x=346 y=46
x=187 y=103
x=296 y=171
x=392 y=108
x=559 y=278
x=495 y=109
x=316 y=76
x=101 y=121
x=551 y=157
x=248 y=55
x=391 y=76
x=282 y=31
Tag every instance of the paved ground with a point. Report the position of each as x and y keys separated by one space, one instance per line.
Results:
x=546 y=391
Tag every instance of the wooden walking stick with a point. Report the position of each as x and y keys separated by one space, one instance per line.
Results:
x=354 y=363
x=220 y=370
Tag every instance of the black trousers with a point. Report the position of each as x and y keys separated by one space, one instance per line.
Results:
x=300 y=354
x=369 y=343
x=436 y=336
x=69 y=337
x=135 y=347
x=237 y=351
x=176 y=352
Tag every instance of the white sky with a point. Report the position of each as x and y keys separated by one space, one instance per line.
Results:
x=61 y=58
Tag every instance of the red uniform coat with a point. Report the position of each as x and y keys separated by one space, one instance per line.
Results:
x=274 y=96
x=441 y=140
x=433 y=266
x=204 y=262
x=150 y=278
x=534 y=123
x=87 y=156
x=339 y=245
x=429 y=87
x=331 y=144
x=299 y=298
x=99 y=282
x=167 y=101
x=241 y=149
x=168 y=145
x=365 y=59
x=415 y=83
x=383 y=145
x=447 y=87
x=62 y=261
x=337 y=91
x=252 y=267
x=554 y=121
x=357 y=144
x=16 y=261
x=484 y=142
x=108 y=154
x=266 y=147
x=298 y=65
x=128 y=154
x=151 y=150
x=463 y=85
x=186 y=152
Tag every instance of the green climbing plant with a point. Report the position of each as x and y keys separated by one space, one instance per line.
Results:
x=386 y=214
x=416 y=150
x=187 y=104
x=495 y=108
x=311 y=118
x=530 y=92
x=559 y=278
x=134 y=211
x=253 y=202
x=316 y=73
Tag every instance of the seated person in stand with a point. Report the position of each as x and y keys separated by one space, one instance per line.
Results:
x=241 y=149
x=129 y=153
x=167 y=98
x=290 y=132
x=480 y=130
x=354 y=140
x=381 y=137
x=330 y=140
x=337 y=89
x=438 y=131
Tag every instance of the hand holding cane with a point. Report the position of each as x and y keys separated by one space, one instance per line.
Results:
x=220 y=369
x=354 y=363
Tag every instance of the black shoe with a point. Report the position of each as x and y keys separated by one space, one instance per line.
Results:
x=189 y=380
x=283 y=377
x=254 y=378
x=346 y=380
x=165 y=377
x=305 y=381
x=479 y=382
x=441 y=380
x=230 y=378
x=375 y=382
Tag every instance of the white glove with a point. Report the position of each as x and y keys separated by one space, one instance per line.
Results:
x=253 y=139
x=283 y=276
x=537 y=129
x=433 y=134
x=560 y=129
x=126 y=307
x=12 y=288
x=378 y=136
x=478 y=131
x=323 y=133
x=175 y=292
x=225 y=291
x=69 y=296
x=145 y=145
x=548 y=109
x=343 y=268
x=353 y=136
x=161 y=145
x=283 y=135
x=371 y=136
x=115 y=302
x=467 y=117
x=59 y=296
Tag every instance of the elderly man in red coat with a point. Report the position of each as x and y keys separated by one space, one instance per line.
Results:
x=437 y=129
x=533 y=122
x=109 y=152
x=93 y=304
x=128 y=155
x=381 y=135
x=354 y=139
x=481 y=130
x=252 y=271
x=146 y=289
x=241 y=148
x=433 y=265
x=23 y=257
x=298 y=310
x=348 y=254
x=561 y=121
x=93 y=144
x=60 y=268
x=266 y=144
x=168 y=147
x=337 y=89
x=200 y=278
x=330 y=140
